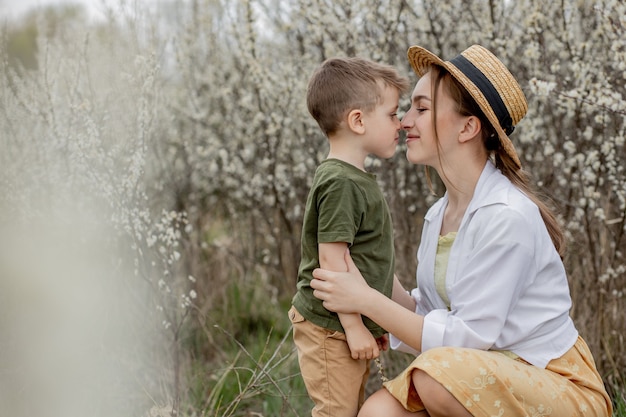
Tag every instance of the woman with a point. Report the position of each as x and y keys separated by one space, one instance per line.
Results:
x=489 y=320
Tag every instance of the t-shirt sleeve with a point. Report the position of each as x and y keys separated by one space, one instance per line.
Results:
x=340 y=206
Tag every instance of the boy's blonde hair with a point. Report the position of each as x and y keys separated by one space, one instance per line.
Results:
x=340 y=85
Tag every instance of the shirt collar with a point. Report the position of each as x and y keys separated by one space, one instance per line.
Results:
x=492 y=188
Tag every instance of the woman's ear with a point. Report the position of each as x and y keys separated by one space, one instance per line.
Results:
x=355 y=121
x=471 y=129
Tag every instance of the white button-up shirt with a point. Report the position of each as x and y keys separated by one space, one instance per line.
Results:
x=505 y=280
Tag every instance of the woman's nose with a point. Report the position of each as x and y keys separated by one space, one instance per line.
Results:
x=407 y=120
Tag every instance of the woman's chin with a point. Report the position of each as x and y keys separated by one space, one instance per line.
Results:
x=414 y=159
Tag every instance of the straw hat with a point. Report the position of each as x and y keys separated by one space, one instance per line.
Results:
x=487 y=80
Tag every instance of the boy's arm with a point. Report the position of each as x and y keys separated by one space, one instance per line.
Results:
x=361 y=342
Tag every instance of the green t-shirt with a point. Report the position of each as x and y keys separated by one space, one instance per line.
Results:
x=345 y=204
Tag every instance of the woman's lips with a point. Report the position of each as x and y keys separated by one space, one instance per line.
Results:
x=411 y=138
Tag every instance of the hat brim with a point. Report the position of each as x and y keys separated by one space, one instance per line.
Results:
x=422 y=59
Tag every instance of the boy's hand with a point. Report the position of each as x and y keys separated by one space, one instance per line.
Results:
x=362 y=344
x=383 y=342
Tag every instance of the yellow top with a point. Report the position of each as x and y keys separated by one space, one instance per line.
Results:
x=441 y=265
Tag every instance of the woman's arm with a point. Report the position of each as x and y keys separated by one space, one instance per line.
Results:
x=347 y=292
x=401 y=296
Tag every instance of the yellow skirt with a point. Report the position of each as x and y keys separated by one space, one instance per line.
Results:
x=490 y=383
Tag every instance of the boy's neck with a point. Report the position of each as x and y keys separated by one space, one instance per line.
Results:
x=344 y=150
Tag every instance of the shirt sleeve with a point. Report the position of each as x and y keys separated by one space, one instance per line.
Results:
x=494 y=269
x=399 y=345
x=340 y=211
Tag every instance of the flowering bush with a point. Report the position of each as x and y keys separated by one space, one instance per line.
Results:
x=256 y=147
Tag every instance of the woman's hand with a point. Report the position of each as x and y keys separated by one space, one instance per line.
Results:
x=342 y=292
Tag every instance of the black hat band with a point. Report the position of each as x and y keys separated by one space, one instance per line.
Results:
x=488 y=90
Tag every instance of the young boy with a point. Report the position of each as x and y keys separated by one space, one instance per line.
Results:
x=355 y=103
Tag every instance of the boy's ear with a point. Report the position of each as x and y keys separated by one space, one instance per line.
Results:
x=471 y=129
x=355 y=121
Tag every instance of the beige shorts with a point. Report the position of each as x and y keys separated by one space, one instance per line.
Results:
x=489 y=383
x=334 y=381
